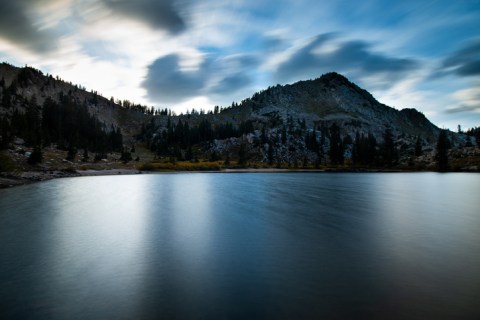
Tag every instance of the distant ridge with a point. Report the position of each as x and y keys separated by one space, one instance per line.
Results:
x=327 y=121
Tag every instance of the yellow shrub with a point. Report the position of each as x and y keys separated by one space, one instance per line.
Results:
x=181 y=166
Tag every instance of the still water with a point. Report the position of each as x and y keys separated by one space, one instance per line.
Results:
x=242 y=246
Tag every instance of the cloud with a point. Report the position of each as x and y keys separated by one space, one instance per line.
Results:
x=464 y=62
x=159 y=14
x=18 y=26
x=355 y=58
x=462 y=108
x=469 y=100
x=168 y=82
x=224 y=77
x=231 y=84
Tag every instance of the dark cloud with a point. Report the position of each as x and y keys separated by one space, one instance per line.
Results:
x=463 y=108
x=356 y=58
x=159 y=14
x=17 y=26
x=231 y=84
x=464 y=62
x=302 y=61
x=272 y=43
x=167 y=83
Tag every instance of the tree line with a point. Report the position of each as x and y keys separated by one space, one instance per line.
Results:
x=66 y=123
x=180 y=136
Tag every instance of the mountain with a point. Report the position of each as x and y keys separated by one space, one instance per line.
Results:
x=328 y=122
x=31 y=88
x=333 y=98
x=314 y=123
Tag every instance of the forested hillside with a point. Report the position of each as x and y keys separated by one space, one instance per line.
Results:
x=327 y=123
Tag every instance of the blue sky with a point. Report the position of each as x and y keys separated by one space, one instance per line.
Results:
x=186 y=54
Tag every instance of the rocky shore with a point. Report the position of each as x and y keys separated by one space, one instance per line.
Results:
x=11 y=180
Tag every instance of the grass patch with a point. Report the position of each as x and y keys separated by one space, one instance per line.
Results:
x=181 y=166
x=6 y=163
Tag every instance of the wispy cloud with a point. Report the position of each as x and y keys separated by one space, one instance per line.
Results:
x=183 y=51
x=464 y=62
x=19 y=26
x=159 y=14
x=469 y=100
x=167 y=81
x=355 y=58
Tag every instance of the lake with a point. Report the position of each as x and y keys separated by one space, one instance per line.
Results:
x=242 y=246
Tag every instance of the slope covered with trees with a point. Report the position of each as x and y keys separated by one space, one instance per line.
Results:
x=327 y=123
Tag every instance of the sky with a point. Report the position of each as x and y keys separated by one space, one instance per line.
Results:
x=197 y=54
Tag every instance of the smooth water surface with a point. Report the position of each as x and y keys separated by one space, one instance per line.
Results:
x=242 y=246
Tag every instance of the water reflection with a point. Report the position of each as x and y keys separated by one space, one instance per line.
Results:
x=242 y=246
x=427 y=244
x=94 y=234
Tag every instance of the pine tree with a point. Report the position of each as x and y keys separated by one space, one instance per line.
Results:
x=442 y=151
x=36 y=156
x=242 y=155
x=85 y=155
x=126 y=156
x=189 y=153
x=227 y=160
x=284 y=135
x=388 y=149
x=336 y=145
x=72 y=152
x=263 y=136
x=6 y=133
x=270 y=153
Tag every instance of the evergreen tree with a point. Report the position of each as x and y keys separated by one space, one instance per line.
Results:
x=6 y=133
x=36 y=156
x=336 y=145
x=270 y=153
x=72 y=152
x=284 y=135
x=242 y=155
x=189 y=153
x=389 y=154
x=126 y=156
x=364 y=150
x=468 y=142
x=442 y=151
x=311 y=141
x=214 y=156
x=263 y=136
x=6 y=98
x=85 y=155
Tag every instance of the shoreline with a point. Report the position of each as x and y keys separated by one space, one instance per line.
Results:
x=29 y=177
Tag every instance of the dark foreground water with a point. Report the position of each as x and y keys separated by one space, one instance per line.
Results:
x=242 y=246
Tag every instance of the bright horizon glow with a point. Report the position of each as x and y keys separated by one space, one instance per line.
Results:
x=184 y=54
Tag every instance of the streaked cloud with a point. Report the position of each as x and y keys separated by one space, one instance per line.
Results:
x=469 y=100
x=422 y=54
x=355 y=58
x=159 y=14
x=167 y=81
x=19 y=26
x=464 y=62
